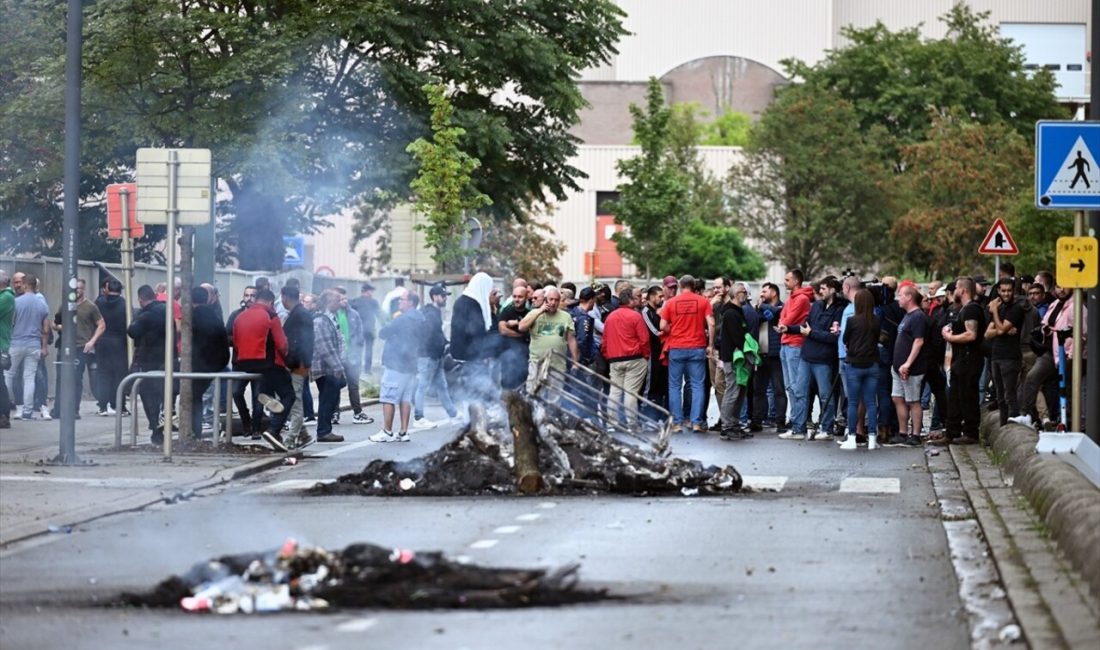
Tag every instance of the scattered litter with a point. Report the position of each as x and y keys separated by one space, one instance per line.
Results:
x=932 y=451
x=54 y=528
x=301 y=578
x=689 y=492
x=290 y=460
x=998 y=594
x=1009 y=633
x=179 y=496
x=406 y=484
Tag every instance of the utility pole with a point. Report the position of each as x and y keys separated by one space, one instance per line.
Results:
x=68 y=401
x=1092 y=380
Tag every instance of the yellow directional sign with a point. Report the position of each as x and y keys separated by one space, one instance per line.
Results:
x=1077 y=262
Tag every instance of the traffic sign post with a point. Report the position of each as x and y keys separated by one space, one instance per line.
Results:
x=1076 y=262
x=122 y=223
x=175 y=190
x=998 y=241
x=1067 y=176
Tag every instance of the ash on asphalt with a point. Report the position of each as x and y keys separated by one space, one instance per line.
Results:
x=572 y=461
x=361 y=575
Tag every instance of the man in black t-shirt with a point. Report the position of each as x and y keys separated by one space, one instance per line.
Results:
x=514 y=343
x=964 y=335
x=1005 y=355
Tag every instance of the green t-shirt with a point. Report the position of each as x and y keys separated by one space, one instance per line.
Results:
x=87 y=318
x=551 y=332
x=7 y=316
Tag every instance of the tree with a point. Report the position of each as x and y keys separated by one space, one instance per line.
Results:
x=710 y=251
x=442 y=189
x=957 y=183
x=896 y=81
x=655 y=192
x=524 y=249
x=307 y=104
x=812 y=188
x=730 y=129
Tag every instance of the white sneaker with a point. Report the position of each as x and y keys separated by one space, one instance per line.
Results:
x=849 y=443
x=44 y=413
x=403 y=436
x=1024 y=420
x=270 y=403
x=19 y=414
x=423 y=423
x=383 y=436
x=110 y=411
x=872 y=442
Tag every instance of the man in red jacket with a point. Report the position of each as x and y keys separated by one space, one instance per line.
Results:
x=261 y=348
x=626 y=348
x=796 y=375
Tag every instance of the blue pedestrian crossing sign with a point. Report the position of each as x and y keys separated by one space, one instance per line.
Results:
x=1067 y=176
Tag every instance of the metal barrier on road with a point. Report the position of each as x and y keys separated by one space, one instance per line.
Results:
x=579 y=393
x=133 y=380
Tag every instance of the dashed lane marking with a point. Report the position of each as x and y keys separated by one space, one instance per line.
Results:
x=357 y=625
x=292 y=485
x=547 y=505
x=507 y=530
x=531 y=516
x=484 y=543
x=770 y=483
x=866 y=485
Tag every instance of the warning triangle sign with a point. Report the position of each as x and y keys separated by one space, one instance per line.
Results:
x=1079 y=173
x=998 y=241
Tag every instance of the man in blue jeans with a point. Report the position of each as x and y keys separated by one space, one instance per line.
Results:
x=688 y=319
x=429 y=365
x=796 y=375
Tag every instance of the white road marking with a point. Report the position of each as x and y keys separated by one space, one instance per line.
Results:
x=484 y=543
x=546 y=505
x=531 y=516
x=871 y=485
x=292 y=485
x=507 y=530
x=357 y=625
x=463 y=559
x=91 y=482
x=342 y=449
x=776 y=483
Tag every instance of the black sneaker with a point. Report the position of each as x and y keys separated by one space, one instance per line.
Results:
x=912 y=440
x=309 y=419
x=330 y=437
x=717 y=426
x=730 y=434
x=275 y=440
x=895 y=440
x=755 y=427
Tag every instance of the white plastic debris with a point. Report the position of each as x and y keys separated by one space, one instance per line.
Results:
x=1010 y=633
x=689 y=492
x=406 y=484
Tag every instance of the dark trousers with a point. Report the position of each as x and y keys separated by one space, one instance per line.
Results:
x=198 y=387
x=769 y=372
x=328 y=400
x=368 y=352
x=110 y=370
x=1006 y=374
x=963 y=407
x=351 y=371
x=1043 y=376
x=5 y=400
x=656 y=389
x=937 y=382
x=307 y=401
x=151 y=392
x=251 y=419
x=276 y=381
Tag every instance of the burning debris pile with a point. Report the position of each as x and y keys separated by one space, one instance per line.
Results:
x=297 y=578
x=487 y=459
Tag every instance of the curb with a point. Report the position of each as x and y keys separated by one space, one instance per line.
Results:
x=1066 y=501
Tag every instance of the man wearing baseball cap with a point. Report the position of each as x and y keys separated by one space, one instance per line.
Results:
x=429 y=364
x=669 y=284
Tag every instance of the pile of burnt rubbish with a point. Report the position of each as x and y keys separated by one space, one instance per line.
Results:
x=302 y=578
x=518 y=456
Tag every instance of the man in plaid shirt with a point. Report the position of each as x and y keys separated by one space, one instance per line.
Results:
x=328 y=365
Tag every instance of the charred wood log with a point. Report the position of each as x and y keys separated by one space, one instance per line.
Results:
x=525 y=441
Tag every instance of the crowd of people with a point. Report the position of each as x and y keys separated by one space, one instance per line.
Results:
x=869 y=358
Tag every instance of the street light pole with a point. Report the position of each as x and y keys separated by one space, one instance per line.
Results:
x=68 y=402
x=1092 y=380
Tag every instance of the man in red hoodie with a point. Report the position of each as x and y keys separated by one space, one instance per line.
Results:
x=261 y=348
x=626 y=348
x=796 y=375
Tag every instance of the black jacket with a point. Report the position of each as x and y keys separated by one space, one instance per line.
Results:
x=147 y=330
x=113 y=310
x=734 y=328
x=209 y=342
x=861 y=342
x=299 y=338
x=469 y=335
x=433 y=343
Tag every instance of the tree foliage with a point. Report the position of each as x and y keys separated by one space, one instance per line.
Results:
x=896 y=81
x=526 y=249
x=306 y=104
x=442 y=190
x=812 y=189
x=674 y=209
x=960 y=180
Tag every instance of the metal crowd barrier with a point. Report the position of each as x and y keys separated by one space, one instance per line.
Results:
x=133 y=380
x=578 y=393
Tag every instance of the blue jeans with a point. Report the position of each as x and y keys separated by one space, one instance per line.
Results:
x=693 y=362
x=428 y=372
x=823 y=376
x=797 y=377
x=861 y=384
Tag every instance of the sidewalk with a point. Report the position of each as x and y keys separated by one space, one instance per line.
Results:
x=36 y=495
